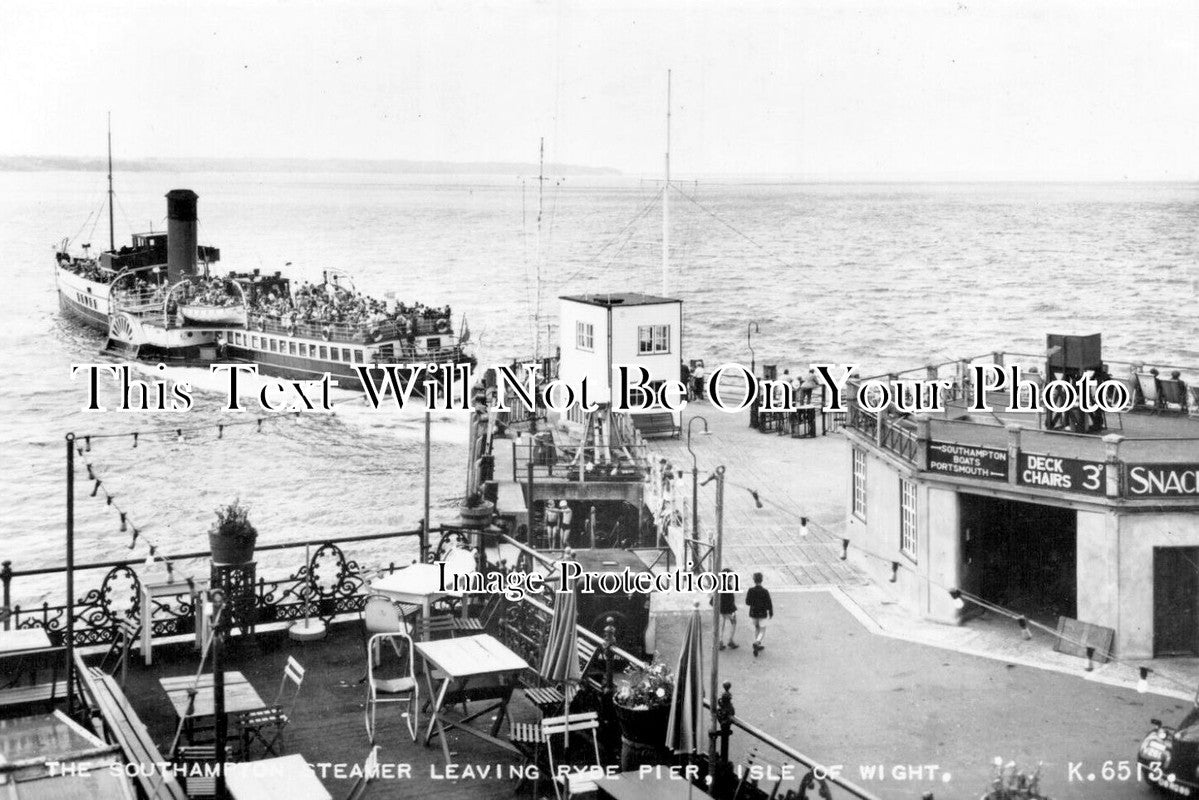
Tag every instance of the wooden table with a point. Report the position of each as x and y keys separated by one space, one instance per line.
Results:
x=240 y=696
x=631 y=786
x=288 y=777
x=461 y=661
x=19 y=639
x=417 y=584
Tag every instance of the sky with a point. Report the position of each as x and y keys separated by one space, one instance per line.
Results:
x=904 y=90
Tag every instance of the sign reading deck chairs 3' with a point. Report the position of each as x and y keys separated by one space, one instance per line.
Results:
x=966 y=461
x=1066 y=474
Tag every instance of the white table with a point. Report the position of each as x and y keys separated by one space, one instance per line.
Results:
x=459 y=661
x=417 y=584
x=287 y=777
x=169 y=589
x=20 y=639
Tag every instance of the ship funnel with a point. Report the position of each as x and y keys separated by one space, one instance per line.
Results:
x=181 y=234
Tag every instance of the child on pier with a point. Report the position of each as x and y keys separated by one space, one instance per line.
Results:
x=760 y=609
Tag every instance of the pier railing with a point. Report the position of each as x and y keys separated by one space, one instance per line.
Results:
x=889 y=432
x=327 y=583
x=1156 y=428
x=579 y=463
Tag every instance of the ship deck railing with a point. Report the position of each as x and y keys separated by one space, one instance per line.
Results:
x=547 y=460
x=361 y=333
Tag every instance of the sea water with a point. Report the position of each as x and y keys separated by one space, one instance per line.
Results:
x=889 y=276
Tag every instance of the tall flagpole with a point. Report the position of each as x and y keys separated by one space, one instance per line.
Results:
x=537 y=283
x=666 y=197
x=112 y=244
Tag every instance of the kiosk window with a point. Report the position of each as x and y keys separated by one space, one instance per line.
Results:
x=907 y=518
x=859 y=484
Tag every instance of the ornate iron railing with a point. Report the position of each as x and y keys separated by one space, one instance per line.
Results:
x=327 y=584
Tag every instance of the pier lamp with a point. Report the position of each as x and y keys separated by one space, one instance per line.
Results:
x=750 y=330
x=695 y=490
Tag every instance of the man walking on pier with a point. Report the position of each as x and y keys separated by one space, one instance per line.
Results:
x=760 y=609
x=728 y=616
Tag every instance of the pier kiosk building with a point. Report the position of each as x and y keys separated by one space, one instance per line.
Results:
x=1100 y=527
x=600 y=332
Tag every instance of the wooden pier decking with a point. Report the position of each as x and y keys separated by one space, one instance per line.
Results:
x=327 y=724
x=781 y=470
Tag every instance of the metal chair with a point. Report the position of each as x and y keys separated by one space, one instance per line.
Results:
x=266 y=725
x=125 y=634
x=526 y=735
x=381 y=614
x=370 y=771
x=402 y=688
x=441 y=626
x=197 y=762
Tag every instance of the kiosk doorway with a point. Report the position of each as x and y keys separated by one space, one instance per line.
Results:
x=1176 y=601
x=1021 y=556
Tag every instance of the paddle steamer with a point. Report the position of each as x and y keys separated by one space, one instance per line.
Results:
x=161 y=300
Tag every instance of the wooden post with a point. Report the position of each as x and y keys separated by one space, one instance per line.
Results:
x=70 y=627
x=6 y=606
x=218 y=694
x=716 y=553
x=424 y=526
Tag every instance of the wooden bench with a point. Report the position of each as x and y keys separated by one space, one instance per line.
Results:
x=37 y=676
x=123 y=725
x=656 y=424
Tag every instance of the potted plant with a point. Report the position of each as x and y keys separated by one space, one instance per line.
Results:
x=475 y=510
x=231 y=538
x=643 y=704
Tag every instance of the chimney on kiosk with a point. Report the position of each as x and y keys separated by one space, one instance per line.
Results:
x=181 y=234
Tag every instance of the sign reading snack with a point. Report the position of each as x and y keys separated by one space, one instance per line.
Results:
x=1068 y=474
x=964 y=461
x=1163 y=480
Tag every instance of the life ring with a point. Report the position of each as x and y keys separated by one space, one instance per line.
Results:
x=326 y=333
x=443 y=326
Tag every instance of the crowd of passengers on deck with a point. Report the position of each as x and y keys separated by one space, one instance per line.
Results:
x=325 y=304
x=86 y=268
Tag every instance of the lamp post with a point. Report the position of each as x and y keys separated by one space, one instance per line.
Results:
x=695 y=492
x=717 y=541
x=750 y=330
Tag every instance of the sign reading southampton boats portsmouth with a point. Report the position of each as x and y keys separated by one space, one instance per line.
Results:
x=965 y=461
x=1067 y=474
x=1163 y=480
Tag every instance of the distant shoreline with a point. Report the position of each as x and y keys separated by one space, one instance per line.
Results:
x=391 y=166
x=518 y=169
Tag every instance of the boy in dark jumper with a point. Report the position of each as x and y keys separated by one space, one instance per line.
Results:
x=757 y=599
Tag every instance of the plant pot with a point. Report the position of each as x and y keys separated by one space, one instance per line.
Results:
x=477 y=515
x=231 y=549
x=645 y=726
